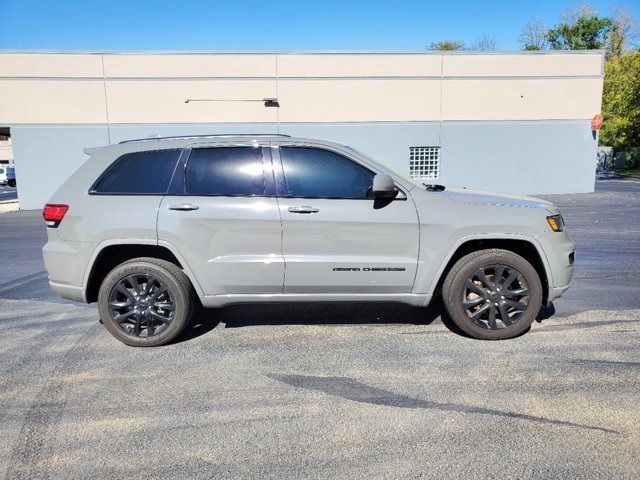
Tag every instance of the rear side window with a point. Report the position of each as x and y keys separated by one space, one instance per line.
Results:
x=228 y=171
x=311 y=172
x=139 y=173
x=1 y=170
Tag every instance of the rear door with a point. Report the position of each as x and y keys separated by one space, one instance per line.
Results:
x=223 y=217
x=336 y=237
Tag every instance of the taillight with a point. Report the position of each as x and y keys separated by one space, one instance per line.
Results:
x=54 y=213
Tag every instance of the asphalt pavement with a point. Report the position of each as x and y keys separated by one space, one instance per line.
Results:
x=330 y=390
x=8 y=193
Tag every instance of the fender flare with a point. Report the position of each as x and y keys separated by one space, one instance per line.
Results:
x=493 y=236
x=139 y=241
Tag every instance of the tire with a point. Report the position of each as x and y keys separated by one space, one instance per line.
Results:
x=514 y=305
x=154 y=312
x=12 y=183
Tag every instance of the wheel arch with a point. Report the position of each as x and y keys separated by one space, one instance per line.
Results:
x=526 y=247
x=110 y=254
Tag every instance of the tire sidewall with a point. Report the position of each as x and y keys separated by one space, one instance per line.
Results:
x=175 y=290
x=459 y=315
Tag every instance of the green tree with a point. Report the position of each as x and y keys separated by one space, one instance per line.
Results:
x=447 y=45
x=587 y=31
x=621 y=104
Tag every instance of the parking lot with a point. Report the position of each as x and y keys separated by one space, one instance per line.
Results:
x=8 y=193
x=330 y=390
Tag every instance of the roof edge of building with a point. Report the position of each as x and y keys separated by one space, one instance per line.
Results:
x=301 y=52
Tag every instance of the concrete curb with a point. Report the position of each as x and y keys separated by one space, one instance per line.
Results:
x=9 y=206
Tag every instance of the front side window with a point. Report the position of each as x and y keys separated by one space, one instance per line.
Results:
x=312 y=172
x=139 y=173
x=226 y=171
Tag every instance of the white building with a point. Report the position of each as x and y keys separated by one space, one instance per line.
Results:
x=510 y=122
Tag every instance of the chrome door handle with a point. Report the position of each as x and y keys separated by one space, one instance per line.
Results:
x=183 y=207
x=304 y=209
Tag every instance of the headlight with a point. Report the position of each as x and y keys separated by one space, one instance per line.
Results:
x=556 y=222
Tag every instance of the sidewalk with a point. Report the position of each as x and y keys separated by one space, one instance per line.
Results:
x=9 y=206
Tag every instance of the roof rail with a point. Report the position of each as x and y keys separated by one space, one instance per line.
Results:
x=225 y=135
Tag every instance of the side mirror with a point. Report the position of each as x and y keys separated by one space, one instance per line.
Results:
x=383 y=187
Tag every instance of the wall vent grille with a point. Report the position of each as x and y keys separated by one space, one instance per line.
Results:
x=424 y=162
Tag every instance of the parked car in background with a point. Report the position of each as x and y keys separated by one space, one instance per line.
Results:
x=151 y=228
x=7 y=175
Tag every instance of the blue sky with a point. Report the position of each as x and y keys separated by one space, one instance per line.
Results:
x=286 y=25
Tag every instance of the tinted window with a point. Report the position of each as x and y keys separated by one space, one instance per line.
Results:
x=139 y=173
x=225 y=171
x=311 y=172
x=1 y=170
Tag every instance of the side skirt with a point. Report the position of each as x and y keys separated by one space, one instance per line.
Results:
x=213 y=301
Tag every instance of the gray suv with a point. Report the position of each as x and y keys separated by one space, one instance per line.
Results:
x=152 y=229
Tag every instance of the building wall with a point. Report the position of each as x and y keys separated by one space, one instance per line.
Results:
x=6 y=151
x=507 y=122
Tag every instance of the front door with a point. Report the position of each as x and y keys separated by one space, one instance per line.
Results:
x=336 y=237
x=222 y=215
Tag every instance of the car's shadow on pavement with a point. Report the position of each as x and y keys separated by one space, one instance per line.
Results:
x=320 y=313
x=325 y=313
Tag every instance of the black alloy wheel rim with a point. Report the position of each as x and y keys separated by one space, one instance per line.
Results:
x=141 y=305
x=496 y=297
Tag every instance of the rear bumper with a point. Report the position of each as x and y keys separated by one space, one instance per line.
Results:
x=66 y=263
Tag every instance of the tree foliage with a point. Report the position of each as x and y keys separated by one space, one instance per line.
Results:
x=447 y=45
x=486 y=43
x=621 y=104
x=587 y=32
x=582 y=29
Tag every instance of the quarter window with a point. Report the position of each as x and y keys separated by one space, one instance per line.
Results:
x=229 y=171
x=139 y=173
x=312 y=172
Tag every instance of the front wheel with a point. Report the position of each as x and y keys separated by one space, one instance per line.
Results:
x=146 y=302
x=492 y=294
x=12 y=183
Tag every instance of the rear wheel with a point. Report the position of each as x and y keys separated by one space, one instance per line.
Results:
x=492 y=294
x=146 y=302
x=12 y=183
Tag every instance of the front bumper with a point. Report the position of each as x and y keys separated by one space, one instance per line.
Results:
x=68 y=291
x=556 y=292
x=560 y=250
